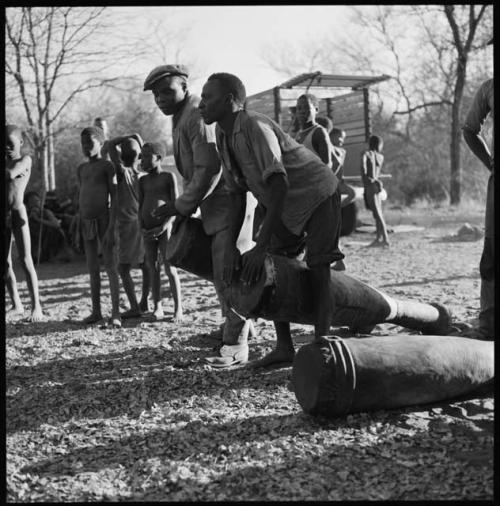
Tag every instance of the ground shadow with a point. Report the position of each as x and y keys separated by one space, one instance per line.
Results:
x=24 y=328
x=399 y=458
x=426 y=281
x=110 y=385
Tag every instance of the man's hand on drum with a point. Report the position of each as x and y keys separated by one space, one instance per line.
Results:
x=253 y=263
x=165 y=211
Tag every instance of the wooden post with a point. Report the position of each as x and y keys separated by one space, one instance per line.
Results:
x=277 y=105
x=333 y=376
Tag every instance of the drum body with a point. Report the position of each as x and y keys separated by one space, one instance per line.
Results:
x=190 y=248
x=285 y=293
x=333 y=376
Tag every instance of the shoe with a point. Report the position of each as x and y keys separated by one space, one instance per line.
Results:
x=229 y=355
x=339 y=265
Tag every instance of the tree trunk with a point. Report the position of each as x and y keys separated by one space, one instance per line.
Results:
x=51 y=161
x=456 y=134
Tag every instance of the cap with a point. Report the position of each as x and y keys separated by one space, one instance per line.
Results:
x=164 y=71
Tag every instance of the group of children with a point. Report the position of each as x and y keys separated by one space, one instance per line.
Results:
x=115 y=204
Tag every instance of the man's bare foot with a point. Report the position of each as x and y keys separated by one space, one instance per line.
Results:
x=115 y=322
x=92 y=318
x=178 y=317
x=16 y=309
x=385 y=244
x=37 y=315
x=158 y=313
x=131 y=313
x=144 y=306
x=275 y=357
x=374 y=244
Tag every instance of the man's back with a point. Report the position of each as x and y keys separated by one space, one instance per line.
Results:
x=261 y=147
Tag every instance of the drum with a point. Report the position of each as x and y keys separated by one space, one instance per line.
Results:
x=189 y=248
x=333 y=376
x=284 y=292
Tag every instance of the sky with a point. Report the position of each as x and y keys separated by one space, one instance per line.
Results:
x=231 y=38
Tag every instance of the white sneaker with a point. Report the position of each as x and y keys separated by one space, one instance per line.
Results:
x=229 y=355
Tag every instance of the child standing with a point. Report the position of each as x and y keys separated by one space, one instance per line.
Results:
x=97 y=180
x=131 y=245
x=156 y=189
x=17 y=174
x=337 y=138
x=371 y=165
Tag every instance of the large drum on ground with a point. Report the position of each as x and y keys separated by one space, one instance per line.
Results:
x=285 y=293
x=333 y=376
x=190 y=248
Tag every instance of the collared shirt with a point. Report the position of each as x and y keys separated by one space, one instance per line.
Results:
x=261 y=148
x=481 y=106
x=198 y=162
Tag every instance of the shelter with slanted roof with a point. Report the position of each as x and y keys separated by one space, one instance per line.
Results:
x=345 y=99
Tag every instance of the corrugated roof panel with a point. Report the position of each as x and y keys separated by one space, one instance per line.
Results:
x=317 y=79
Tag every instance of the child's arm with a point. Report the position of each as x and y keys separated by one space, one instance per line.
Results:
x=113 y=153
x=138 y=138
x=173 y=193
x=21 y=168
x=141 y=201
x=321 y=143
x=113 y=192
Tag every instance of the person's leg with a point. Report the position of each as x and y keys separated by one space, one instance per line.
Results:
x=379 y=220
x=236 y=327
x=92 y=258
x=23 y=243
x=10 y=277
x=152 y=261
x=110 y=264
x=487 y=300
x=323 y=234
x=173 y=278
x=345 y=189
x=146 y=285
x=128 y=286
x=284 y=352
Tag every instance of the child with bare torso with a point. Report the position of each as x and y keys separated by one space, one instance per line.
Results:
x=131 y=244
x=97 y=181
x=17 y=174
x=156 y=189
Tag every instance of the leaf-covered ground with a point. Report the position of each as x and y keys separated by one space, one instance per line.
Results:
x=97 y=414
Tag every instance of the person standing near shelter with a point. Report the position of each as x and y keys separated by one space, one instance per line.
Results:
x=198 y=163
x=296 y=189
x=17 y=175
x=97 y=207
x=130 y=240
x=311 y=134
x=371 y=165
x=481 y=107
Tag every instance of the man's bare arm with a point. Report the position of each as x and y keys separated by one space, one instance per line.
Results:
x=20 y=168
x=321 y=144
x=479 y=147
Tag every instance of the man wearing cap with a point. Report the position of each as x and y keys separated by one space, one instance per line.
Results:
x=481 y=107
x=198 y=163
